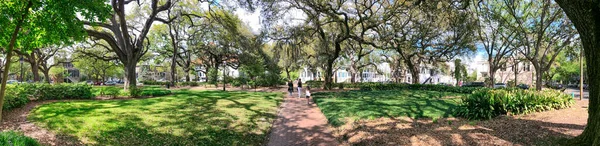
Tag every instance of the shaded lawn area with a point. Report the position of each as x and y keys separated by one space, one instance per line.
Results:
x=184 y=118
x=356 y=105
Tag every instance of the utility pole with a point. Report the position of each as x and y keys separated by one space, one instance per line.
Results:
x=581 y=74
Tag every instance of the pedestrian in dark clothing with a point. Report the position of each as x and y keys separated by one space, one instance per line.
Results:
x=299 y=88
x=290 y=87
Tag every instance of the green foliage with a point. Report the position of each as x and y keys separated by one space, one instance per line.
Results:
x=489 y=103
x=107 y=91
x=192 y=84
x=12 y=138
x=15 y=97
x=315 y=84
x=58 y=91
x=212 y=76
x=338 y=106
x=140 y=91
x=148 y=82
x=185 y=118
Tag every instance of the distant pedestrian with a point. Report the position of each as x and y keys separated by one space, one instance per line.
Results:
x=308 y=96
x=299 y=88
x=290 y=87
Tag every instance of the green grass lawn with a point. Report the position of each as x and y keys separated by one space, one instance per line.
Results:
x=338 y=106
x=184 y=118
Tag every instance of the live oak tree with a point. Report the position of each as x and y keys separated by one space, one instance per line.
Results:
x=585 y=15
x=495 y=35
x=125 y=38
x=542 y=32
x=39 y=59
x=332 y=23
x=31 y=24
x=430 y=32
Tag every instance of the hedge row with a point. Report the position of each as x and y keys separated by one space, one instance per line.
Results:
x=489 y=103
x=112 y=91
x=165 y=83
x=369 y=86
x=19 y=95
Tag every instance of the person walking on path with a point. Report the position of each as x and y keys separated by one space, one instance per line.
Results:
x=299 y=88
x=290 y=87
x=308 y=95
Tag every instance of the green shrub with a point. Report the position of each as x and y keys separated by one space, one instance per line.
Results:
x=155 y=92
x=61 y=91
x=314 y=84
x=11 y=138
x=192 y=84
x=109 y=91
x=154 y=83
x=15 y=97
x=429 y=87
x=489 y=103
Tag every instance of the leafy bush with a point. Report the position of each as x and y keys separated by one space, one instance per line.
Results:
x=11 y=138
x=441 y=88
x=314 y=84
x=107 y=91
x=62 y=91
x=154 y=83
x=489 y=103
x=12 y=100
x=193 y=84
x=155 y=92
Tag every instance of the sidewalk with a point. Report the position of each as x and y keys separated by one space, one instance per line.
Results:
x=300 y=124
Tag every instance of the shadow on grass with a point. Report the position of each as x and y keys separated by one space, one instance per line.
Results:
x=375 y=104
x=498 y=131
x=184 y=118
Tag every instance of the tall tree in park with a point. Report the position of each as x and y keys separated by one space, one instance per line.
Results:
x=585 y=15
x=332 y=23
x=94 y=67
x=494 y=35
x=431 y=32
x=460 y=71
x=39 y=61
x=127 y=39
x=356 y=54
x=30 y=24
x=542 y=32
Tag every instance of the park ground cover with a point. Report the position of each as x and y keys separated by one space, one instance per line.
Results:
x=182 y=118
x=339 y=107
x=420 y=117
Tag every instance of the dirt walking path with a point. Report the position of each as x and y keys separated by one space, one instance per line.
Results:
x=16 y=120
x=300 y=124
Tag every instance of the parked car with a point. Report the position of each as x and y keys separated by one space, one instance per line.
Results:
x=445 y=84
x=523 y=86
x=474 y=84
x=499 y=85
x=12 y=81
x=110 y=83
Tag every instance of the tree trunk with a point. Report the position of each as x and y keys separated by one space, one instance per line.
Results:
x=9 y=50
x=173 y=68
x=516 y=76
x=492 y=77
x=539 y=75
x=287 y=72
x=47 y=75
x=352 y=72
x=34 y=67
x=585 y=15
x=414 y=72
x=187 y=75
x=328 y=75
x=130 y=76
